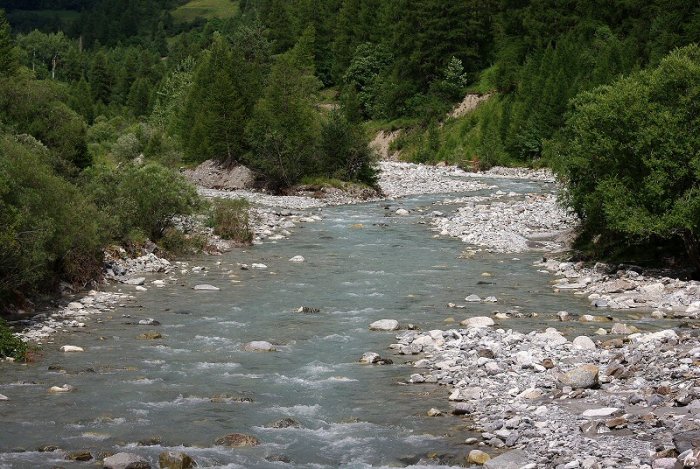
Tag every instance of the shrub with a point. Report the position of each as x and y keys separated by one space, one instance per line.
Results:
x=630 y=155
x=178 y=243
x=230 y=220
x=11 y=345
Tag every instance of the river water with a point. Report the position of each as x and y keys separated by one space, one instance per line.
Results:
x=361 y=265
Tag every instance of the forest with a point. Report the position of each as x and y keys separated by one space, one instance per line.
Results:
x=102 y=102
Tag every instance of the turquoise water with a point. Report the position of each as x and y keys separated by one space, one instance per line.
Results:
x=361 y=265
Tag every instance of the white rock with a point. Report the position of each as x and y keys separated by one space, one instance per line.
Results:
x=258 y=266
x=159 y=283
x=259 y=346
x=297 y=259
x=402 y=212
x=384 y=325
x=123 y=460
x=136 y=281
x=140 y=288
x=369 y=357
x=4 y=397
x=72 y=348
x=64 y=388
x=478 y=321
x=602 y=412
x=523 y=359
x=473 y=298
x=583 y=343
x=660 y=336
x=206 y=287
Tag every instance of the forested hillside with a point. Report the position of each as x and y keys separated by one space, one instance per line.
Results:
x=290 y=88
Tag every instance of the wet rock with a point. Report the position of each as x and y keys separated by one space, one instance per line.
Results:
x=61 y=389
x=259 y=346
x=237 y=440
x=136 y=281
x=308 y=310
x=384 y=325
x=47 y=448
x=175 y=460
x=478 y=457
x=402 y=212
x=297 y=259
x=148 y=322
x=462 y=408
x=369 y=358
x=150 y=335
x=473 y=298
x=71 y=348
x=584 y=376
x=433 y=412
x=258 y=266
x=205 y=287
x=4 y=397
x=478 y=321
x=79 y=456
x=151 y=441
x=126 y=461
x=278 y=458
x=286 y=422
x=623 y=329
x=514 y=459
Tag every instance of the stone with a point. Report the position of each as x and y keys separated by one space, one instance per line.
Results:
x=237 y=440
x=664 y=463
x=478 y=321
x=136 y=281
x=206 y=287
x=602 y=412
x=384 y=325
x=71 y=348
x=514 y=459
x=285 y=423
x=175 y=460
x=478 y=457
x=4 y=397
x=618 y=328
x=684 y=441
x=563 y=315
x=148 y=322
x=79 y=456
x=258 y=266
x=473 y=298
x=259 y=346
x=471 y=393
x=150 y=335
x=402 y=212
x=125 y=461
x=308 y=310
x=433 y=412
x=297 y=259
x=524 y=359
x=583 y=342
x=60 y=389
x=551 y=337
x=369 y=358
x=581 y=377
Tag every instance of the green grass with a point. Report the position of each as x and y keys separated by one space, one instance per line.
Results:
x=207 y=9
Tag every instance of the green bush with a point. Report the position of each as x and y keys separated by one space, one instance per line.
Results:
x=630 y=155
x=230 y=220
x=11 y=345
x=48 y=229
x=177 y=243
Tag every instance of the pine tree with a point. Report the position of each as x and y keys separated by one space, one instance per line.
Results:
x=9 y=56
x=100 y=78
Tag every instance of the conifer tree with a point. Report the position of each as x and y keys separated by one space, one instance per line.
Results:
x=9 y=58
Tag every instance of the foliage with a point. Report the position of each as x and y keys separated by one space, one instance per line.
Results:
x=48 y=228
x=630 y=153
x=344 y=151
x=229 y=218
x=8 y=52
x=11 y=345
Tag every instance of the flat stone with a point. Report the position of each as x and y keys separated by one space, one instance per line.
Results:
x=125 y=461
x=4 y=397
x=71 y=348
x=206 y=287
x=600 y=413
x=136 y=281
x=237 y=440
x=384 y=325
x=473 y=298
x=402 y=212
x=297 y=259
x=514 y=459
x=259 y=346
x=478 y=321
x=60 y=389
x=258 y=266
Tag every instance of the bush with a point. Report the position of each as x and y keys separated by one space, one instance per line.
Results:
x=11 y=345
x=345 y=151
x=48 y=229
x=178 y=243
x=630 y=155
x=230 y=220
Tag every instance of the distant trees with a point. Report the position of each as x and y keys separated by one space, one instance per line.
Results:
x=630 y=155
x=9 y=61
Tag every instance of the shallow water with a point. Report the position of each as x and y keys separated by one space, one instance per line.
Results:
x=361 y=265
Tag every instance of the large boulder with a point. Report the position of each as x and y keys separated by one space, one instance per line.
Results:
x=384 y=325
x=126 y=461
x=514 y=459
x=212 y=175
x=237 y=440
x=175 y=460
x=478 y=321
x=581 y=377
x=259 y=346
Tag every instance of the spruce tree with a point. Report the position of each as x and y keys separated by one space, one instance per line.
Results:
x=9 y=57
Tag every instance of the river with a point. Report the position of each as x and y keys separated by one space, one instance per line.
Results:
x=362 y=264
